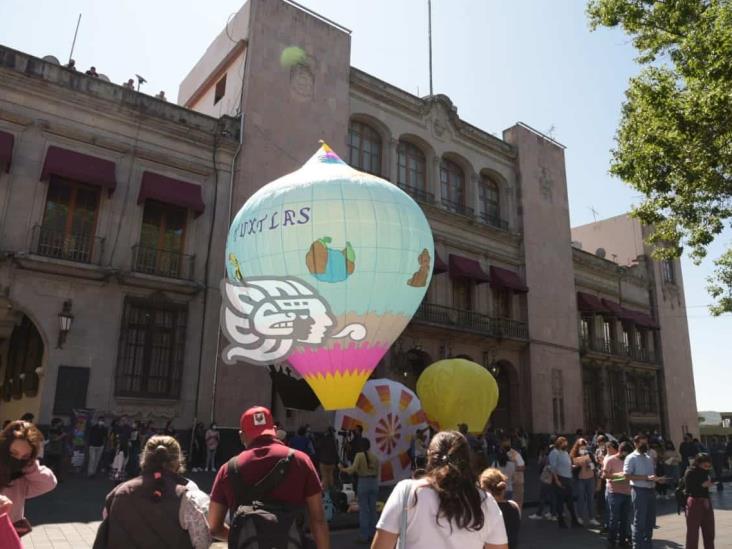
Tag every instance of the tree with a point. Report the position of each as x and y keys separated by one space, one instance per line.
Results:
x=674 y=141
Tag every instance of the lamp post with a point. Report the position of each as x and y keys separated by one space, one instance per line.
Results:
x=65 y=319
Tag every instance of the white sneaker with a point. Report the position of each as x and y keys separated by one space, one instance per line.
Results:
x=593 y=522
x=552 y=517
x=535 y=517
x=549 y=516
x=580 y=522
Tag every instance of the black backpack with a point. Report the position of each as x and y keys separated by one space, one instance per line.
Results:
x=259 y=523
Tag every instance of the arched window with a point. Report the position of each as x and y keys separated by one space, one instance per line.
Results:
x=490 y=202
x=364 y=148
x=412 y=173
x=452 y=182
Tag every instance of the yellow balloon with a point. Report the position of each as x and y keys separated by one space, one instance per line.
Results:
x=455 y=391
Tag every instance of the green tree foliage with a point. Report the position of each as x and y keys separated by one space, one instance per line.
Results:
x=674 y=142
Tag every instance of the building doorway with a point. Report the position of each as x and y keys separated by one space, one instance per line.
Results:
x=505 y=416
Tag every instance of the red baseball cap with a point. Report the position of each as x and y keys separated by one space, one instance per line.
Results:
x=257 y=421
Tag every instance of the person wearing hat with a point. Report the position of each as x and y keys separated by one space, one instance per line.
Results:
x=300 y=486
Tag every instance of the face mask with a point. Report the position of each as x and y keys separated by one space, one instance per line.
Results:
x=100 y=423
x=18 y=465
x=583 y=451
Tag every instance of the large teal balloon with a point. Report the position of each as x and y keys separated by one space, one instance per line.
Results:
x=325 y=266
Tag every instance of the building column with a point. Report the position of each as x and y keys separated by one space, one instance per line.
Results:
x=471 y=193
x=393 y=166
x=433 y=177
x=605 y=402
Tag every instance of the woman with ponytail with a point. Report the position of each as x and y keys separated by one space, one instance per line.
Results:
x=496 y=483
x=445 y=508
x=160 y=509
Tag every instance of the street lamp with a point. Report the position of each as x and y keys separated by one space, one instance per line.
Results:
x=65 y=319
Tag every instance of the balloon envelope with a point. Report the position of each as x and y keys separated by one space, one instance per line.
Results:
x=325 y=267
x=455 y=391
x=390 y=415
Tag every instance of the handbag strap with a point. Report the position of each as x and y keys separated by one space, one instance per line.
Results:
x=406 y=496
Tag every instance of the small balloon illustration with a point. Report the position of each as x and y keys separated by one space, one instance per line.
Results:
x=325 y=268
x=455 y=391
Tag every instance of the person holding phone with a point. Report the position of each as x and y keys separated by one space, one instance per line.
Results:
x=21 y=476
x=699 y=510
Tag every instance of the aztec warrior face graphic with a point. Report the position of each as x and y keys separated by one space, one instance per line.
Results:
x=265 y=317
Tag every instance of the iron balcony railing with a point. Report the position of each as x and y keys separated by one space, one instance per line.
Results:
x=493 y=221
x=457 y=207
x=417 y=193
x=78 y=247
x=617 y=348
x=470 y=320
x=160 y=262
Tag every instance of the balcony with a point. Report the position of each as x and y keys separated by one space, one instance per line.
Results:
x=418 y=194
x=471 y=321
x=495 y=222
x=457 y=207
x=80 y=248
x=166 y=263
x=617 y=348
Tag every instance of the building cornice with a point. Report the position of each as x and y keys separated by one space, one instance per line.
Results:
x=419 y=107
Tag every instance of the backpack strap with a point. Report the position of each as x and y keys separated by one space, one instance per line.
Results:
x=246 y=494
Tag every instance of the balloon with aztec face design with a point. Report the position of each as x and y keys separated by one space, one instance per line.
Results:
x=325 y=268
x=390 y=415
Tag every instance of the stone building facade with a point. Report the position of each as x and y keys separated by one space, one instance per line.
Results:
x=564 y=331
x=108 y=200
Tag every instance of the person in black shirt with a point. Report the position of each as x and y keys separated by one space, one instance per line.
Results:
x=699 y=511
x=688 y=450
x=495 y=483
x=97 y=439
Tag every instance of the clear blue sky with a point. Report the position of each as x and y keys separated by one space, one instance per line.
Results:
x=500 y=62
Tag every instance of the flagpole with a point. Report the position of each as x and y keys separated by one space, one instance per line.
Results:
x=429 y=37
x=71 y=53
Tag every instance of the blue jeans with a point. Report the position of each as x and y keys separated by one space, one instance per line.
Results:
x=585 y=498
x=644 y=516
x=368 y=489
x=620 y=508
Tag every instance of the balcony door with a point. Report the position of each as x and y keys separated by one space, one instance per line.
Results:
x=162 y=239
x=69 y=221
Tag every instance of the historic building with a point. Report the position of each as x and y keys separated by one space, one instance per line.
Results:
x=574 y=339
x=108 y=200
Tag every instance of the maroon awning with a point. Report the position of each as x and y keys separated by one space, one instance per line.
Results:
x=6 y=150
x=462 y=267
x=509 y=280
x=171 y=191
x=440 y=266
x=79 y=167
x=642 y=319
x=616 y=309
x=588 y=303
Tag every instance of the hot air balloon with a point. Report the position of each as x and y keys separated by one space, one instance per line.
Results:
x=455 y=391
x=390 y=415
x=325 y=268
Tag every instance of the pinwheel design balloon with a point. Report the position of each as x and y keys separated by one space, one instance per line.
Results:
x=390 y=415
x=325 y=268
x=455 y=391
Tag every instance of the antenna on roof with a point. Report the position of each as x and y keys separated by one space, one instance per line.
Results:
x=594 y=213
x=429 y=37
x=71 y=53
x=140 y=81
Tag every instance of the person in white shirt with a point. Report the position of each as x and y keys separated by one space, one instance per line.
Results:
x=445 y=509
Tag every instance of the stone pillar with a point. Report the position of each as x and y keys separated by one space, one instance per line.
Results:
x=392 y=167
x=605 y=402
x=471 y=192
x=433 y=177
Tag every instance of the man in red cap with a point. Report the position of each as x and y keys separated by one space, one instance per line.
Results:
x=299 y=487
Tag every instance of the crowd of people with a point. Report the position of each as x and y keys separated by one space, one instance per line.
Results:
x=465 y=490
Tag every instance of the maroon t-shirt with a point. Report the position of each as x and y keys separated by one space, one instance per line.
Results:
x=300 y=482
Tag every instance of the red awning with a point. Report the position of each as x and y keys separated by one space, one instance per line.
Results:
x=171 y=191
x=79 y=167
x=588 y=303
x=462 y=267
x=6 y=149
x=440 y=266
x=642 y=319
x=509 y=280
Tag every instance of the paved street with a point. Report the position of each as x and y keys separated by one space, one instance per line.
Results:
x=68 y=517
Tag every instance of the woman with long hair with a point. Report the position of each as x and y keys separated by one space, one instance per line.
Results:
x=21 y=476
x=445 y=508
x=366 y=465
x=158 y=509
x=584 y=463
